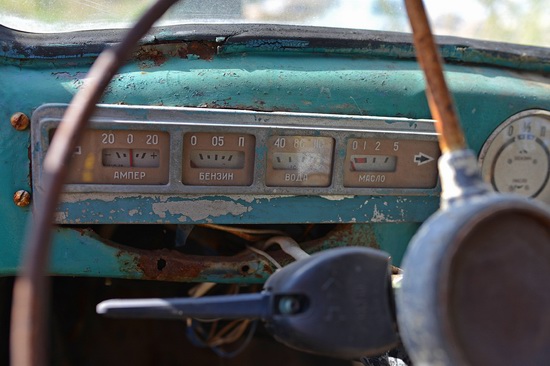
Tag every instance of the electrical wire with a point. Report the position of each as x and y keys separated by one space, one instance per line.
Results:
x=244 y=233
x=201 y=289
x=214 y=338
x=194 y=328
x=288 y=245
x=31 y=288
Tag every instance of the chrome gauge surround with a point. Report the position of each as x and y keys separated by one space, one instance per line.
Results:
x=516 y=156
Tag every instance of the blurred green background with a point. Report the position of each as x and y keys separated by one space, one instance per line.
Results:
x=514 y=21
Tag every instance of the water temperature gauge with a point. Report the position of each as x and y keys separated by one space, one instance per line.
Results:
x=516 y=157
x=299 y=161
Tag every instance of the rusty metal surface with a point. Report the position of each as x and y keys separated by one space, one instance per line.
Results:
x=246 y=267
x=159 y=54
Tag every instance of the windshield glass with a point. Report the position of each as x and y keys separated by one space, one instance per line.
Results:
x=514 y=21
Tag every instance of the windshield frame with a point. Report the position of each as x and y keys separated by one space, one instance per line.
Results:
x=233 y=38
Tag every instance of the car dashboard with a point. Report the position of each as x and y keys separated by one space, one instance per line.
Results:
x=321 y=134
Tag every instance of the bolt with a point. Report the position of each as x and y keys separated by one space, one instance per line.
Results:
x=22 y=198
x=19 y=121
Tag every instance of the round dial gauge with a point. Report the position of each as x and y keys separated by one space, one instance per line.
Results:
x=516 y=157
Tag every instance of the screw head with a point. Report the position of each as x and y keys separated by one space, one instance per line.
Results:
x=22 y=198
x=20 y=121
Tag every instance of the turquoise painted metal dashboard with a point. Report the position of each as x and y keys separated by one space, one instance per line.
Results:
x=280 y=127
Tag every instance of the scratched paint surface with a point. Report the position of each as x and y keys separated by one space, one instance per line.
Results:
x=244 y=210
x=274 y=79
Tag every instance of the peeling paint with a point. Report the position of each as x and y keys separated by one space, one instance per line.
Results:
x=60 y=216
x=337 y=197
x=256 y=198
x=80 y=197
x=110 y=197
x=378 y=216
x=199 y=209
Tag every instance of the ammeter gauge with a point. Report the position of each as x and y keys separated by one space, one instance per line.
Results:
x=516 y=157
x=122 y=157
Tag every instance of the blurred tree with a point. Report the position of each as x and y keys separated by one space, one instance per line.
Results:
x=514 y=21
x=394 y=11
x=518 y=21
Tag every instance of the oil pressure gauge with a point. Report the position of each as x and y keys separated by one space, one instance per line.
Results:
x=516 y=157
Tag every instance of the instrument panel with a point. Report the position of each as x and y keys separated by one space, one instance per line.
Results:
x=153 y=155
x=186 y=150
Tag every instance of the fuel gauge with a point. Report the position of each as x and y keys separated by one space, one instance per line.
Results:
x=218 y=159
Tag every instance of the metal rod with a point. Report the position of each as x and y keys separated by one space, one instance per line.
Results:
x=31 y=289
x=451 y=136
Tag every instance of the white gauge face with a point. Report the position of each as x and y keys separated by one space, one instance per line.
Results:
x=299 y=161
x=373 y=163
x=138 y=158
x=217 y=159
x=516 y=157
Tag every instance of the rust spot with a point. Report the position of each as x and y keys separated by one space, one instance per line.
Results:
x=20 y=121
x=150 y=53
x=169 y=265
x=203 y=50
x=159 y=54
x=268 y=268
x=245 y=267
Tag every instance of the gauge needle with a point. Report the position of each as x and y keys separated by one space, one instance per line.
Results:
x=131 y=158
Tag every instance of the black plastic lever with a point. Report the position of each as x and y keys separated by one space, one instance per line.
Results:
x=336 y=303
x=211 y=307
